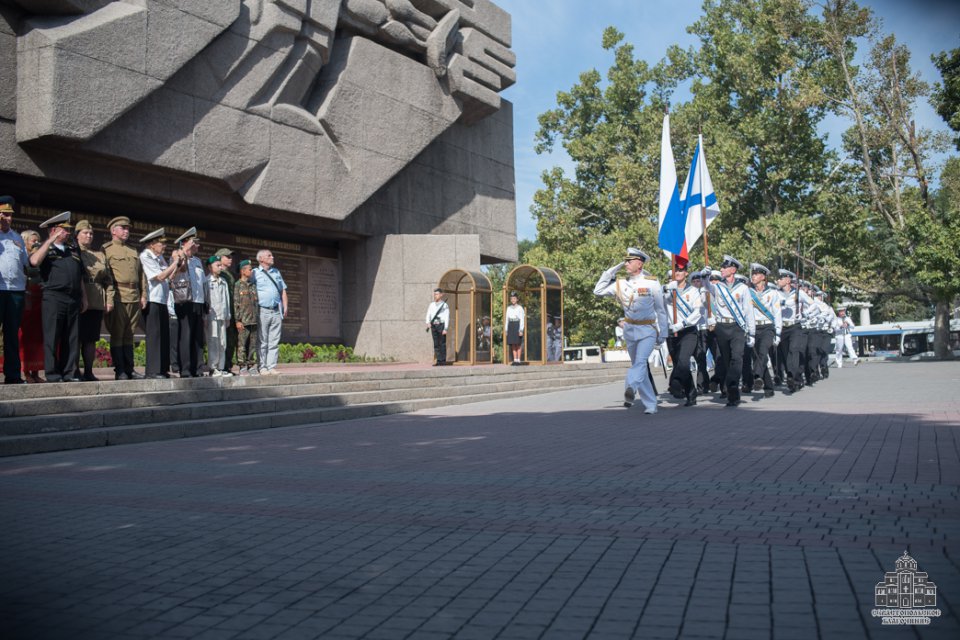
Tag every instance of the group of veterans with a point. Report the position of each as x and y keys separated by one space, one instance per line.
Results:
x=762 y=332
x=56 y=293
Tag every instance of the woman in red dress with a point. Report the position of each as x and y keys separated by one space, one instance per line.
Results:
x=31 y=327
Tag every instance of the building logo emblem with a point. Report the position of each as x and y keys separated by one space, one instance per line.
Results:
x=906 y=595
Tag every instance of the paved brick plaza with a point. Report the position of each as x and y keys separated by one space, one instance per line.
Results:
x=558 y=516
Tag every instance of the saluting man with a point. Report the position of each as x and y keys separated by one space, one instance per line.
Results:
x=129 y=297
x=769 y=323
x=735 y=327
x=645 y=319
x=158 y=273
x=64 y=299
x=689 y=309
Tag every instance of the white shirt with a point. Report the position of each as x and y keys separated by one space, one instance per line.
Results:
x=689 y=306
x=13 y=261
x=641 y=299
x=737 y=294
x=197 y=280
x=846 y=325
x=443 y=316
x=788 y=306
x=771 y=299
x=153 y=266
x=515 y=312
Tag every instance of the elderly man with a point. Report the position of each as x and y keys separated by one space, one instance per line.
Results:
x=129 y=297
x=64 y=298
x=272 y=297
x=645 y=322
x=13 y=284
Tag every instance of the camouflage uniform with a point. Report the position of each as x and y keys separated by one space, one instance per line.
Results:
x=246 y=310
x=123 y=265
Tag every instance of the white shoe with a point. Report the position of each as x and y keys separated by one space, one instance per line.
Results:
x=215 y=373
x=226 y=374
x=650 y=412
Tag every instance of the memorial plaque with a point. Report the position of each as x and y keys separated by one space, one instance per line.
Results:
x=323 y=291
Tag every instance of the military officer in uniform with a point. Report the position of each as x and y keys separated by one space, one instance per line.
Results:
x=827 y=324
x=64 y=299
x=808 y=322
x=844 y=338
x=438 y=319
x=129 y=297
x=735 y=327
x=645 y=320
x=700 y=354
x=158 y=272
x=684 y=309
x=190 y=309
x=769 y=323
x=99 y=290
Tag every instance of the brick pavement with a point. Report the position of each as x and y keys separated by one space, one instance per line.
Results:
x=556 y=516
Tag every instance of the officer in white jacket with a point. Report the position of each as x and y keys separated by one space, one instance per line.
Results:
x=645 y=322
x=843 y=335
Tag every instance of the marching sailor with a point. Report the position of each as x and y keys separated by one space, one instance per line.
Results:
x=645 y=322
x=700 y=355
x=844 y=337
x=809 y=321
x=735 y=325
x=766 y=308
x=826 y=326
x=685 y=298
x=792 y=344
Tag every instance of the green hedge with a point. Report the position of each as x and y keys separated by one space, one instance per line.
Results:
x=289 y=354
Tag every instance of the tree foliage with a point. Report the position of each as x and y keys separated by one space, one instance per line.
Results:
x=863 y=219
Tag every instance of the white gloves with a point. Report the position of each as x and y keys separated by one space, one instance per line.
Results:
x=676 y=327
x=711 y=322
x=751 y=341
x=672 y=285
x=776 y=341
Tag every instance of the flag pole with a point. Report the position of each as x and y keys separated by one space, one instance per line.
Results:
x=673 y=279
x=703 y=218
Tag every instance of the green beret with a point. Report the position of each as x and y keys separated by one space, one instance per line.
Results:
x=244 y=263
x=213 y=259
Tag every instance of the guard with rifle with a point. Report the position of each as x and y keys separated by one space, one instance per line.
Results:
x=438 y=319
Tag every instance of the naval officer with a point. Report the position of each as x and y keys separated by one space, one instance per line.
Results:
x=158 y=273
x=769 y=323
x=645 y=322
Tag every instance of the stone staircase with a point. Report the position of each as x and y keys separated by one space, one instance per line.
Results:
x=54 y=417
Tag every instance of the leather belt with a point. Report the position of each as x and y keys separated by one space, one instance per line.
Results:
x=639 y=322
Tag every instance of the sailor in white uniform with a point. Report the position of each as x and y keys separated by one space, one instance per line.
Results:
x=645 y=322
x=735 y=325
x=843 y=334
x=684 y=310
x=766 y=308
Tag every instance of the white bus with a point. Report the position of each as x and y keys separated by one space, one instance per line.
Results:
x=901 y=339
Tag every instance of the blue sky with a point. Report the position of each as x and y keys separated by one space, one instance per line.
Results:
x=556 y=40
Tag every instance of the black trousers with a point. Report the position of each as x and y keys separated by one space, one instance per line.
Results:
x=749 y=357
x=439 y=342
x=790 y=352
x=730 y=341
x=719 y=367
x=684 y=346
x=811 y=364
x=61 y=340
x=700 y=355
x=158 y=339
x=764 y=342
x=190 y=338
x=11 y=315
x=824 y=350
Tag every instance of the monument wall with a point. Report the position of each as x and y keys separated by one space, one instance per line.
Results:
x=335 y=132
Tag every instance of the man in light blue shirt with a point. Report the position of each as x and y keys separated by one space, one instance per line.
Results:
x=272 y=295
x=13 y=284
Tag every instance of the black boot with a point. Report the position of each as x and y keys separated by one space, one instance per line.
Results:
x=119 y=367
x=128 y=362
x=691 y=398
x=733 y=396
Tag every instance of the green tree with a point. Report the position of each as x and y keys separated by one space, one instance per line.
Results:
x=946 y=96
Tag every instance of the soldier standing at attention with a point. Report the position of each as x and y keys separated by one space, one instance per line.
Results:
x=129 y=297
x=226 y=259
x=769 y=323
x=64 y=299
x=438 y=317
x=645 y=323
x=735 y=326
x=99 y=289
x=246 y=311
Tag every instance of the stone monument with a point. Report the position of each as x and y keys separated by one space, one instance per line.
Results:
x=364 y=141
